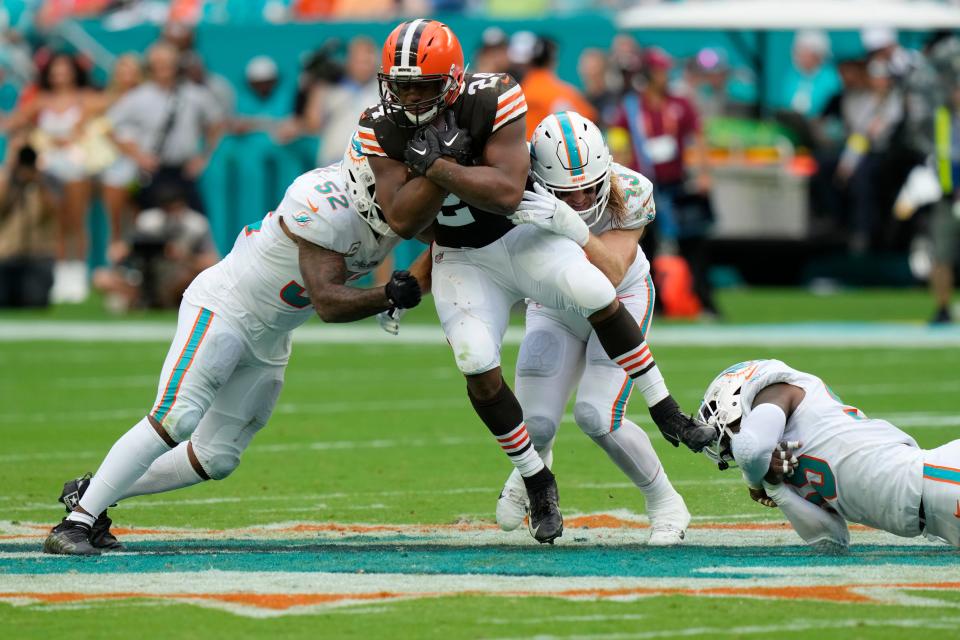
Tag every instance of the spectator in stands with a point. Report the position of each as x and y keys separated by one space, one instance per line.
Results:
x=943 y=54
x=945 y=223
x=195 y=71
x=520 y=53
x=168 y=247
x=593 y=71
x=660 y=127
x=261 y=131
x=331 y=110
x=810 y=81
x=706 y=83
x=872 y=123
x=161 y=125
x=830 y=131
x=545 y=92
x=492 y=56
x=57 y=113
x=26 y=231
x=120 y=176
x=626 y=58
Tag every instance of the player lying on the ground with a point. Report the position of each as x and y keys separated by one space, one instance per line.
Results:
x=224 y=370
x=561 y=351
x=824 y=463
x=450 y=143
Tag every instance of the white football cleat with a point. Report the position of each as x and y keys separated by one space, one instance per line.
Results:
x=668 y=523
x=513 y=504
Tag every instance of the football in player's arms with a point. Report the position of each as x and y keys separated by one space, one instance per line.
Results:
x=825 y=463
x=473 y=174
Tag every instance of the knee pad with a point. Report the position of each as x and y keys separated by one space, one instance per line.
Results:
x=588 y=289
x=541 y=430
x=540 y=355
x=218 y=462
x=182 y=420
x=591 y=419
x=474 y=348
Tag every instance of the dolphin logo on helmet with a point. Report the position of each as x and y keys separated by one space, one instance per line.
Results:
x=568 y=153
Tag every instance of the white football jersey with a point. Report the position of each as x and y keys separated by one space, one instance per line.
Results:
x=638 y=194
x=866 y=469
x=259 y=284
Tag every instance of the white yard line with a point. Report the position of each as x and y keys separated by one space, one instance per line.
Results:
x=884 y=335
x=772 y=630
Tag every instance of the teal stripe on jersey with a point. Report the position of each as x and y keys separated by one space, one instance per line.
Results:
x=940 y=473
x=570 y=142
x=183 y=363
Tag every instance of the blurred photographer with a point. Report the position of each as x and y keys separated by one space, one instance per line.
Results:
x=161 y=125
x=26 y=232
x=167 y=248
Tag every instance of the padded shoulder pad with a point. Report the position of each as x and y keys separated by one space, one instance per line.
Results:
x=317 y=209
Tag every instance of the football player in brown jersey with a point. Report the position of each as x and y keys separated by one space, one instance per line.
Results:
x=449 y=147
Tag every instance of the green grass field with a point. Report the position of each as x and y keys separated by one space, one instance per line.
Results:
x=365 y=507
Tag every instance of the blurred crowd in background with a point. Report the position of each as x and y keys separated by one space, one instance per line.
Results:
x=874 y=137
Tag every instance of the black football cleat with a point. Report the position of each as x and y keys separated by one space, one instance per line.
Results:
x=545 y=522
x=100 y=536
x=70 y=538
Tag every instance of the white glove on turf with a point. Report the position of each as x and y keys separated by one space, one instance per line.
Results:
x=542 y=209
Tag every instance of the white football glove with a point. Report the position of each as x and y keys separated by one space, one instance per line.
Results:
x=542 y=209
x=390 y=320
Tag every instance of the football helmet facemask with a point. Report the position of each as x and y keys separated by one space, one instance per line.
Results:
x=722 y=410
x=421 y=72
x=361 y=186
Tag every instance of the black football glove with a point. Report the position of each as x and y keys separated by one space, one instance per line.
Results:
x=677 y=427
x=403 y=290
x=455 y=142
x=423 y=150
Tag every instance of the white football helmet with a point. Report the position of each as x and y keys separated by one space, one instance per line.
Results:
x=721 y=409
x=361 y=185
x=568 y=153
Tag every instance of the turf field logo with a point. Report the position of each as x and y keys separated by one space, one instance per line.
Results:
x=311 y=567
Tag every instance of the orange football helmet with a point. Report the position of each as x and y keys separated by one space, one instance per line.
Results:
x=422 y=71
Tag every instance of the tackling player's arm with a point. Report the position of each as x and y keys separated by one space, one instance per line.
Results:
x=821 y=527
x=613 y=252
x=761 y=430
x=325 y=276
x=496 y=185
x=409 y=204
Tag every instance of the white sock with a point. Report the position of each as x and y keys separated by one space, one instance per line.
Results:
x=519 y=448
x=642 y=368
x=126 y=461
x=83 y=518
x=170 y=471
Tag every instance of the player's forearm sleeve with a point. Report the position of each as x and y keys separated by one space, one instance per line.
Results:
x=818 y=527
x=760 y=432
